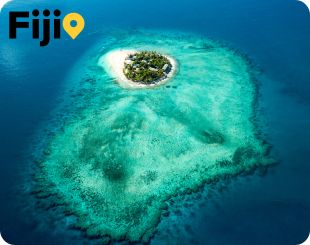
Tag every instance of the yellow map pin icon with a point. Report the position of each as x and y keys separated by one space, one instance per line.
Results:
x=73 y=31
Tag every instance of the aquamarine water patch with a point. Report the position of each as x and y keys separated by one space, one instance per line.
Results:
x=116 y=164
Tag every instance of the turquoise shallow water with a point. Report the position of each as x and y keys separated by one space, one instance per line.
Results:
x=126 y=152
x=273 y=209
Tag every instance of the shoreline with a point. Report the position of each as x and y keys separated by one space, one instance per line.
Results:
x=114 y=62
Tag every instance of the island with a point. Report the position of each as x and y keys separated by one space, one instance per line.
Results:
x=139 y=69
x=147 y=67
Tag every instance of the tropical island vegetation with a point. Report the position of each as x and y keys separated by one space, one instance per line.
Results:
x=147 y=67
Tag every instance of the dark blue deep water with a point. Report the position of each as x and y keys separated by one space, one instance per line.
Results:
x=273 y=208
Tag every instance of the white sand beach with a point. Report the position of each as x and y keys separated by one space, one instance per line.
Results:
x=114 y=62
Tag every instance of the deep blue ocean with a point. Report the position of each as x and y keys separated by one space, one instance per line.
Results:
x=273 y=208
